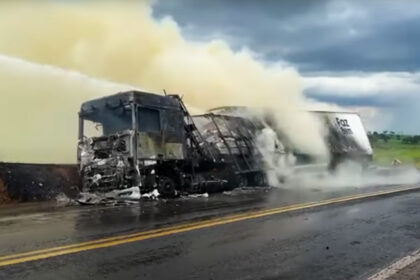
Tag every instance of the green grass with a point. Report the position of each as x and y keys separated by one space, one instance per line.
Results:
x=384 y=153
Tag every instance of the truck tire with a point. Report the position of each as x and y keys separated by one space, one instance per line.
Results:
x=259 y=179
x=166 y=186
x=242 y=181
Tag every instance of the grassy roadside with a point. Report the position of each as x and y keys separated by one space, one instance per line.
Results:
x=384 y=153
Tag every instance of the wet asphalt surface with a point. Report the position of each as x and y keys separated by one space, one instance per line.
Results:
x=346 y=241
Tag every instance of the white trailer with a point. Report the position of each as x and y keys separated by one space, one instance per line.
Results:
x=347 y=137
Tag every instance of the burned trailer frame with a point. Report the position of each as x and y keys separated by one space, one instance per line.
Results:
x=232 y=140
x=146 y=140
x=346 y=136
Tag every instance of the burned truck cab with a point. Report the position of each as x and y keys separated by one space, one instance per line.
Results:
x=124 y=138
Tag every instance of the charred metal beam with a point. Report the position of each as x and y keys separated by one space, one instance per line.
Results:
x=134 y=127
x=224 y=141
x=80 y=137
x=229 y=128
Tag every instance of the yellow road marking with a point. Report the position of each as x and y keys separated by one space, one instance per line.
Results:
x=127 y=238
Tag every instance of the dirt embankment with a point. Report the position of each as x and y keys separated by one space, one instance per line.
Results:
x=4 y=194
x=35 y=182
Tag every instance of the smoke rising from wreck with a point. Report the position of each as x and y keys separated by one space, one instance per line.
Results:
x=122 y=43
x=350 y=174
x=39 y=109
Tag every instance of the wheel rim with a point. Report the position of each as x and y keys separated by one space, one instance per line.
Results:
x=259 y=179
x=243 y=182
x=166 y=186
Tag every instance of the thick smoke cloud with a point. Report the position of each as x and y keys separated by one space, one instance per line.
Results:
x=122 y=43
x=38 y=111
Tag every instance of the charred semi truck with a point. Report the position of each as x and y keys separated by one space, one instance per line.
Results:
x=151 y=141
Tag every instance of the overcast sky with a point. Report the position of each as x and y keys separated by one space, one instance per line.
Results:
x=364 y=55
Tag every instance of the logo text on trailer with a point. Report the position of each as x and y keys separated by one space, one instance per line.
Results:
x=344 y=126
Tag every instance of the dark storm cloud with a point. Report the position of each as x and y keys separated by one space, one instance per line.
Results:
x=347 y=101
x=389 y=47
x=312 y=35
x=355 y=53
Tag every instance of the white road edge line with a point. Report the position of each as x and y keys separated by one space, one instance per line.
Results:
x=396 y=266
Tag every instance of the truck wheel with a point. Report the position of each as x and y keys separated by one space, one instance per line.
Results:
x=259 y=179
x=166 y=187
x=242 y=181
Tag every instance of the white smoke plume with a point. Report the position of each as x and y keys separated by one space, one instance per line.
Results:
x=121 y=42
x=279 y=162
x=350 y=174
x=38 y=111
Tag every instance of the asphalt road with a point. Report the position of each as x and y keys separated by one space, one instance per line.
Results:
x=349 y=240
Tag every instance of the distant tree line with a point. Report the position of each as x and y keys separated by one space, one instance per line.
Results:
x=386 y=135
x=411 y=139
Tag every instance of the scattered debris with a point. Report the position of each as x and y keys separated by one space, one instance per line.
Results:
x=152 y=195
x=129 y=194
x=63 y=200
x=199 y=195
x=86 y=198
x=132 y=193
